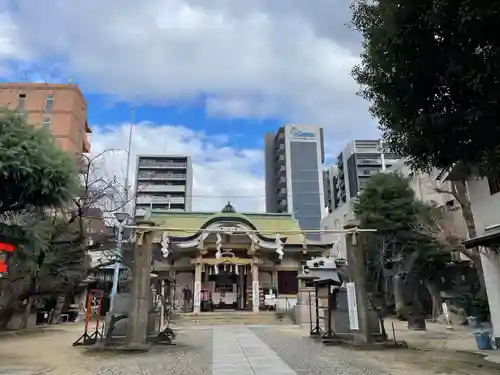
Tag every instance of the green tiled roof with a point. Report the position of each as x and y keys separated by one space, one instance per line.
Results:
x=269 y=224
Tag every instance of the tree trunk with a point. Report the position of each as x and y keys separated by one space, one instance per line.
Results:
x=399 y=297
x=461 y=194
x=27 y=313
x=437 y=301
x=14 y=293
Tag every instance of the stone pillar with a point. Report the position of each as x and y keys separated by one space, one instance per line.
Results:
x=490 y=261
x=255 y=286
x=305 y=310
x=137 y=326
x=356 y=269
x=197 y=286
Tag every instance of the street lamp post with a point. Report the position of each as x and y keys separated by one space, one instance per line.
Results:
x=122 y=220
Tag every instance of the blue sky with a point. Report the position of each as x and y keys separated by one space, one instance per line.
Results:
x=242 y=132
x=205 y=78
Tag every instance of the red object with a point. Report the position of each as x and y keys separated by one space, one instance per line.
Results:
x=3 y=266
x=98 y=294
x=7 y=247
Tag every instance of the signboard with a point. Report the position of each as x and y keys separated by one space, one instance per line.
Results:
x=298 y=134
x=352 y=306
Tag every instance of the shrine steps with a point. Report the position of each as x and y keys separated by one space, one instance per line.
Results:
x=232 y=318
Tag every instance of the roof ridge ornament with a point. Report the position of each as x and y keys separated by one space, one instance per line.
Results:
x=228 y=208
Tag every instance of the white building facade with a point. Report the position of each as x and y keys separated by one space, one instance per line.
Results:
x=163 y=182
x=485 y=202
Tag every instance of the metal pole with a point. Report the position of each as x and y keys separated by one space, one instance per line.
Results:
x=162 y=305
x=132 y=116
x=116 y=274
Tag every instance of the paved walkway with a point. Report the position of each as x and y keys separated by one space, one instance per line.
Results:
x=238 y=351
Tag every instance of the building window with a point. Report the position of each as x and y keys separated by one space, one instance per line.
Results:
x=494 y=184
x=49 y=103
x=21 y=103
x=287 y=282
x=47 y=122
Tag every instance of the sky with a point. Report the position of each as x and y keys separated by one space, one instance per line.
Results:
x=206 y=78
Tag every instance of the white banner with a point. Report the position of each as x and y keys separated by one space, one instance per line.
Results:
x=352 y=306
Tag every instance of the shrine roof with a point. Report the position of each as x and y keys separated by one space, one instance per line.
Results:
x=195 y=221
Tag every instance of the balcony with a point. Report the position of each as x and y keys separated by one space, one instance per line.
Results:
x=367 y=172
x=141 y=212
x=154 y=164
x=155 y=199
x=368 y=161
x=159 y=176
x=145 y=188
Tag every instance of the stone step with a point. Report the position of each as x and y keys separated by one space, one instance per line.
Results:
x=229 y=318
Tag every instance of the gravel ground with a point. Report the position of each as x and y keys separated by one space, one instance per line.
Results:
x=306 y=356
x=52 y=353
x=192 y=355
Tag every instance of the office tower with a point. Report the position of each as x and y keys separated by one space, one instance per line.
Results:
x=294 y=175
x=61 y=108
x=359 y=160
x=163 y=182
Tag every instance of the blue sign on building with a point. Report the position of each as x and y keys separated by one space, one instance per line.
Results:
x=296 y=133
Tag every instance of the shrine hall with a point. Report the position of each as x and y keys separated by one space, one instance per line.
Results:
x=231 y=260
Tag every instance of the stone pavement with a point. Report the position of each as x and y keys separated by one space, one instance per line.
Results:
x=239 y=351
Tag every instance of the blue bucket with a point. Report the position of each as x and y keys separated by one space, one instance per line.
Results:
x=483 y=340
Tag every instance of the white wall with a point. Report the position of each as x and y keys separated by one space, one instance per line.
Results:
x=336 y=221
x=486 y=211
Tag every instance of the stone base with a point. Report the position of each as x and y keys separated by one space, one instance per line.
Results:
x=304 y=316
x=16 y=319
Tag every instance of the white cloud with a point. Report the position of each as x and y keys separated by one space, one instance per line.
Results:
x=220 y=172
x=246 y=57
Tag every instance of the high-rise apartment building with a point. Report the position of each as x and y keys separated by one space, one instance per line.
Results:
x=61 y=108
x=359 y=160
x=329 y=181
x=163 y=182
x=294 y=175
